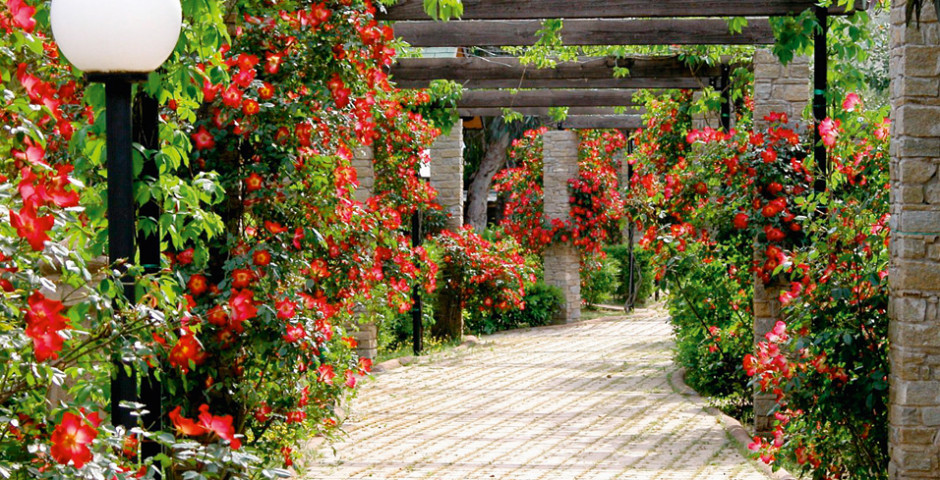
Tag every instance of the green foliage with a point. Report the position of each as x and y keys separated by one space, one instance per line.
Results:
x=709 y=311
x=643 y=274
x=443 y=9
x=599 y=278
x=541 y=302
x=440 y=107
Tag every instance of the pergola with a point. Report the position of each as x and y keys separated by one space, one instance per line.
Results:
x=590 y=89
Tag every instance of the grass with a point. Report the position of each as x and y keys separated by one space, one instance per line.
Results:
x=431 y=346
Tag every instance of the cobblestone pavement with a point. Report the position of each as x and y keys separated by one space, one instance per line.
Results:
x=584 y=401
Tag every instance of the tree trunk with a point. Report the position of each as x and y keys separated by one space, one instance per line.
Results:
x=448 y=314
x=479 y=188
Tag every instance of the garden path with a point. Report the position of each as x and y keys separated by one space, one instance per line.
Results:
x=585 y=401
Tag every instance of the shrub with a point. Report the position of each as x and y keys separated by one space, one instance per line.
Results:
x=541 y=302
x=599 y=278
x=643 y=275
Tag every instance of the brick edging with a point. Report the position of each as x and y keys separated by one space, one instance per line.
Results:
x=732 y=426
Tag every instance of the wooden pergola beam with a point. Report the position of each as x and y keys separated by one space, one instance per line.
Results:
x=509 y=72
x=568 y=9
x=547 y=98
x=584 y=32
x=534 y=111
x=623 y=122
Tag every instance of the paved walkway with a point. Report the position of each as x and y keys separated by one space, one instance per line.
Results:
x=585 y=401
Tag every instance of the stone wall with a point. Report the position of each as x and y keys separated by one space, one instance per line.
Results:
x=782 y=89
x=914 y=415
x=561 y=260
x=447 y=174
x=365 y=172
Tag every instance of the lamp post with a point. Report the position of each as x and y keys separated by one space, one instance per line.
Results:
x=118 y=42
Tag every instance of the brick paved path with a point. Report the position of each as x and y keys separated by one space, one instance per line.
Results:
x=586 y=401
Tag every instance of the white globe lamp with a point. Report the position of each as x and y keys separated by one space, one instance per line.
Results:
x=116 y=36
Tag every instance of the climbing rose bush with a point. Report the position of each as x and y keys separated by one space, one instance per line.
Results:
x=266 y=257
x=594 y=197
x=489 y=277
x=742 y=205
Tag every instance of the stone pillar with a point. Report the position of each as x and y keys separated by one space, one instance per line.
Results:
x=914 y=331
x=782 y=89
x=561 y=260
x=447 y=174
x=365 y=171
x=766 y=313
x=701 y=120
x=367 y=340
x=365 y=334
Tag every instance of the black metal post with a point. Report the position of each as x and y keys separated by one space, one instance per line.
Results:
x=726 y=97
x=147 y=134
x=820 y=85
x=631 y=263
x=121 y=224
x=417 y=323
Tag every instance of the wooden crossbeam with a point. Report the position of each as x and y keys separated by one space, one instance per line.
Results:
x=625 y=122
x=508 y=72
x=533 y=111
x=584 y=32
x=567 y=9
x=547 y=98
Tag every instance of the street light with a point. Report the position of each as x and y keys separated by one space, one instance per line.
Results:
x=118 y=42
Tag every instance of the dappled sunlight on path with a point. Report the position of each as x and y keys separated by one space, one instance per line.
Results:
x=585 y=401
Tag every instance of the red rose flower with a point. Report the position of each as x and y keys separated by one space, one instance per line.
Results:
x=261 y=258
x=197 y=284
x=187 y=349
x=203 y=139
x=43 y=323
x=71 y=438
x=31 y=227
x=184 y=425
x=254 y=182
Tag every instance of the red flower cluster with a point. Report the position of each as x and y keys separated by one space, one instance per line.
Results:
x=43 y=324
x=492 y=276
x=207 y=424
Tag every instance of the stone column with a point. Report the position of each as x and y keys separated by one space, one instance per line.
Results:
x=365 y=171
x=782 y=89
x=704 y=119
x=766 y=313
x=447 y=174
x=914 y=331
x=365 y=333
x=561 y=260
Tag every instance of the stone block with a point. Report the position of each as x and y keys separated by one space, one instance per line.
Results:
x=932 y=193
x=914 y=275
x=912 y=459
x=931 y=417
x=918 y=120
x=911 y=194
x=913 y=171
x=915 y=335
x=908 y=309
x=925 y=221
x=909 y=246
x=920 y=60
x=904 y=416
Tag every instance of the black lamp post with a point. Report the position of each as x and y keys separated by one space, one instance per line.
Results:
x=118 y=42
